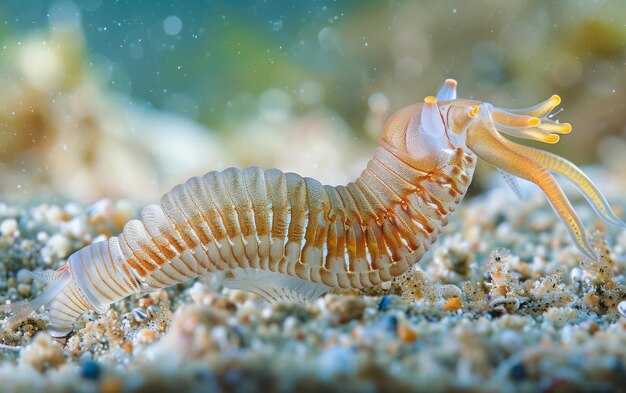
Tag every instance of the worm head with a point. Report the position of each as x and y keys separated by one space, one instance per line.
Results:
x=421 y=133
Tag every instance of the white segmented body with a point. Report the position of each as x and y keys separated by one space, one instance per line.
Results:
x=352 y=236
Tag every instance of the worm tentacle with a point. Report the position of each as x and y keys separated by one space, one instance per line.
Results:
x=485 y=141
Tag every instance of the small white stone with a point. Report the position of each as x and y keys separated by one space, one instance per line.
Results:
x=621 y=307
x=23 y=289
x=100 y=211
x=73 y=209
x=76 y=227
x=53 y=215
x=576 y=275
x=8 y=227
x=290 y=324
x=43 y=236
x=386 y=285
x=23 y=276
x=266 y=312
x=59 y=245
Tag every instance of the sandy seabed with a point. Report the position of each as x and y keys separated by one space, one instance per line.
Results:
x=503 y=302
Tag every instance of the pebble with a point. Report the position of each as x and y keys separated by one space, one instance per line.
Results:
x=58 y=245
x=23 y=289
x=406 y=332
x=42 y=236
x=389 y=323
x=43 y=353
x=336 y=360
x=111 y=385
x=518 y=372
x=54 y=214
x=100 y=212
x=145 y=302
x=139 y=315
x=346 y=308
x=621 y=307
x=453 y=304
x=23 y=276
x=145 y=336
x=90 y=370
x=385 y=301
x=8 y=227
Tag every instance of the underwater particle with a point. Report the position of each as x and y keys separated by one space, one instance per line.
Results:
x=90 y=370
x=453 y=304
x=172 y=25
x=330 y=38
x=277 y=25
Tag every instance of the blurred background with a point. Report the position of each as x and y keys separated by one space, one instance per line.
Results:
x=124 y=99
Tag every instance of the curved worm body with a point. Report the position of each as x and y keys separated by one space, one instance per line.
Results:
x=284 y=236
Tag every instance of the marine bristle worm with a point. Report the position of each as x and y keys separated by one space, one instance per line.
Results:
x=283 y=236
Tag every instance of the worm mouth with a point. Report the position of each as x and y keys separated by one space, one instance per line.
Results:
x=534 y=123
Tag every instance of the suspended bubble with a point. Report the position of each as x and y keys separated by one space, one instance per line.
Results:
x=172 y=25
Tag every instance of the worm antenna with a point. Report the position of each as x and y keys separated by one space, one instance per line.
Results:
x=484 y=140
x=571 y=172
x=447 y=91
x=540 y=110
x=548 y=125
x=531 y=133
x=514 y=120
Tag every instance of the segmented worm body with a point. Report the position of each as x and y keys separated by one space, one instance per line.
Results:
x=284 y=236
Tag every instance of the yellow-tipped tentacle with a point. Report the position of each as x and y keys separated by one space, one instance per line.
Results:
x=548 y=125
x=563 y=167
x=514 y=120
x=532 y=133
x=483 y=140
x=539 y=110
